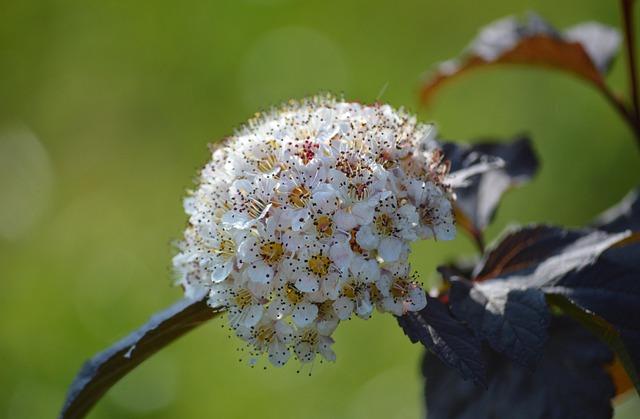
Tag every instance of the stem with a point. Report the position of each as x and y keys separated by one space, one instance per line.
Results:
x=627 y=17
x=625 y=113
x=102 y=371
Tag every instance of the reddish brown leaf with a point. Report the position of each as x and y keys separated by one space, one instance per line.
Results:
x=584 y=51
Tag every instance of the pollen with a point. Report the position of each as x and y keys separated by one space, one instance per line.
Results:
x=299 y=196
x=324 y=226
x=384 y=224
x=319 y=264
x=271 y=252
x=255 y=207
x=226 y=249
x=400 y=287
x=243 y=298
x=293 y=294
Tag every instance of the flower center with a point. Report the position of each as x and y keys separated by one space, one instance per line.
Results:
x=324 y=226
x=307 y=151
x=325 y=309
x=309 y=336
x=226 y=249
x=399 y=287
x=264 y=334
x=243 y=298
x=299 y=196
x=255 y=207
x=375 y=293
x=319 y=264
x=385 y=160
x=293 y=294
x=350 y=290
x=358 y=191
x=384 y=224
x=271 y=252
x=268 y=163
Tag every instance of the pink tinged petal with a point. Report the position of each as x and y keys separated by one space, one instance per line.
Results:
x=217 y=298
x=343 y=307
x=299 y=219
x=390 y=249
x=417 y=299
x=220 y=271
x=325 y=199
x=237 y=219
x=278 y=353
x=393 y=306
x=307 y=283
x=366 y=270
x=363 y=211
x=248 y=250
x=279 y=308
x=259 y=289
x=284 y=332
x=341 y=255
x=259 y=272
x=252 y=315
x=366 y=238
x=384 y=284
x=331 y=286
x=324 y=347
x=364 y=308
x=304 y=352
x=304 y=313
x=345 y=220
x=327 y=327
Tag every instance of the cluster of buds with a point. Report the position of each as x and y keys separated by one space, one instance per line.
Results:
x=304 y=218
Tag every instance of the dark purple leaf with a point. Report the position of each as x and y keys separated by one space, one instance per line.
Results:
x=447 y=338
x=569 y=382
x=102 y=371
x=478 y=197
x=621 y=217
x=594 y=270
x=513 y=321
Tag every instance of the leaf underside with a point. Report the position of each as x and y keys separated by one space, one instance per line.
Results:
x=585 y=51
x=478 y=198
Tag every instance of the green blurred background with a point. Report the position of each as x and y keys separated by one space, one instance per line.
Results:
x=106 y=108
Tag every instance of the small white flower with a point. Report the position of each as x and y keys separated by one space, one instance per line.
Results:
x=304 y=218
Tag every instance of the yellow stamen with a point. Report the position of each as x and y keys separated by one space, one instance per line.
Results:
x=384 y=224
x=324 y=226
x=319 y=264
x=293 y=294
x=299 y=196
x=243 y=298
x=271 y=252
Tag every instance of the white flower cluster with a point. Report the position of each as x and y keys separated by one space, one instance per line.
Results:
x=304 y=218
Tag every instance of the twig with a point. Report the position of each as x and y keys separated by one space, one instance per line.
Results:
x=625 y=113
x=627 y=17
x=102 y=371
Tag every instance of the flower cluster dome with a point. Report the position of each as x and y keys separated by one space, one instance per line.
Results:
x=304 y=218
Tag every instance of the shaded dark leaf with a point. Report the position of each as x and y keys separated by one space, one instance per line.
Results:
x=585 y=50
x=537 y=256
x=569 y=382
x=102 y=371
x=512 y=321
x=594 y=270
x=478 y=197
x=624 y=216
x=447 y=338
